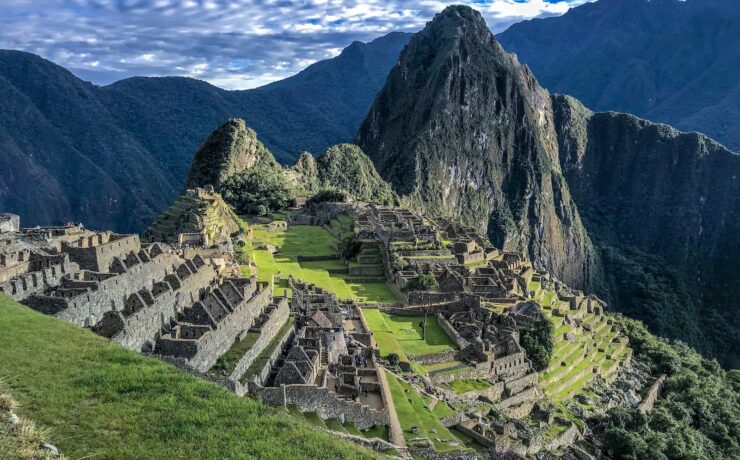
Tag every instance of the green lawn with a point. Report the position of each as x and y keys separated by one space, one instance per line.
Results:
x=403 y=333
x=105 y=402
x=413 y=411
x=306 y=240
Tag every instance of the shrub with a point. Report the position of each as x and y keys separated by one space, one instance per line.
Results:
x=425 y=282
x=538 y=343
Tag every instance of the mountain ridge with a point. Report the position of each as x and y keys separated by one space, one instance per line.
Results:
x=641 y=213
x=115 y=156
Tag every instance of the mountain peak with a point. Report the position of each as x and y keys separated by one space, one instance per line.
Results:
x=232 y=148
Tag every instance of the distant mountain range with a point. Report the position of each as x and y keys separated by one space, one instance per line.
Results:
x=116 y=156
x=670 y=61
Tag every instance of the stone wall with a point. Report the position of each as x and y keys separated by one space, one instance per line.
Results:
x=270 y=328
x=424 y=297
x=451 y=332
x=144 y=325
x=9 y=223
x=88 y=308
x=260 y=379
x=530 y=394
x=518 y=384
x=647 y=404
x=441 y=357
x=219 y=340
x=99 y=258
x=310 y=398
x=38 y=282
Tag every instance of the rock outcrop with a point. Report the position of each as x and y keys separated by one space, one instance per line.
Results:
x=461 y=129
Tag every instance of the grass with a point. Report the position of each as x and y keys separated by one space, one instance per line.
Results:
x=465 y=385
x=103 y=401
x=306 y=240
x=403 y=333
x=228 y=361
x=413 y=412
x=260 y=361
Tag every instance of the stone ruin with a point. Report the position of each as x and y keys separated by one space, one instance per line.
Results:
x=328 y=365
x=198 y=218
x=147 y=297
x=9 y=223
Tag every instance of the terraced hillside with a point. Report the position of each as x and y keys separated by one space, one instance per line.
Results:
x=587 y=345
x=195 y=214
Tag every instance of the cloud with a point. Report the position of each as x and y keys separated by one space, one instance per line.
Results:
x=230 y=43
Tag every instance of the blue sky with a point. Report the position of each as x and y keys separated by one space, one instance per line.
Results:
x=233 y=44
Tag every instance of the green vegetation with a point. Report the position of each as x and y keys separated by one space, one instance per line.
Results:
x=423 y=282
x=404 y=336
x=227 y=362
x=330 y=195
x=305 y=240
x=698 y=415
x=464 y=385
x=259 y=190
x=103 y=401
x=538 y=343
x=413 y=412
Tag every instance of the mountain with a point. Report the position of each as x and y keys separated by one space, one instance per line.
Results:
x=231 y=149
x=671 y=61
x=237 y=164
x=463 y=130
x=644 y=215
x=115 y=156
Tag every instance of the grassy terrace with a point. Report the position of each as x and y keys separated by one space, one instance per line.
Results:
x=573 y=364
x=403 y=334
x=227 y=363
x=306 y=240
x=261 y=360
x=413 y=411
x=103 y=401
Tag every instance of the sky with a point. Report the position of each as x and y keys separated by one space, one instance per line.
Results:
x=233 y=44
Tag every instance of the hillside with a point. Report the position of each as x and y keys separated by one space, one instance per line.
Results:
x=669 y=61
x=237 y=164
x=103 y=400
x=645 y=216
x=114 y=156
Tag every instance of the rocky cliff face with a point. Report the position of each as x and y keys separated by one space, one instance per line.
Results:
x=461 y=129
x=231 y=149
x=664 y=209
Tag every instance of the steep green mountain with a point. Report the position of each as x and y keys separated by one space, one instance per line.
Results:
x=231 y=149
x=670 y=61
x=644 y=215
x=114 y=156
x=664 y=209
x=236 y=163
x=461 y=129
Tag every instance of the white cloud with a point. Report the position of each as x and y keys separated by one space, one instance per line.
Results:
x=230 y=43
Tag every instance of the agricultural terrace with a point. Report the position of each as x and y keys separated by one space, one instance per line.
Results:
x=418 y=420
x=100 y=400
x=316 y=242
x=595 y=348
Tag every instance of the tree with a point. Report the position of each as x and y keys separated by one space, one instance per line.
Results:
x=538 y=343
x=423 y=282
x=330 y=195
x=258 y=191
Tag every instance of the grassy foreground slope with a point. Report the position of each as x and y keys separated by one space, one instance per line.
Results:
x=106 y=402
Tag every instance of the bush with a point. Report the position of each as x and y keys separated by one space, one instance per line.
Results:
x=260 y=191
x=425 y=282
x=330 y=196
x=538 y=342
